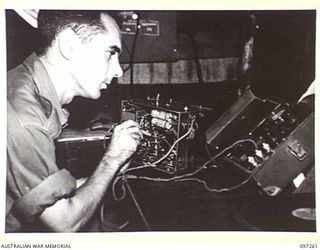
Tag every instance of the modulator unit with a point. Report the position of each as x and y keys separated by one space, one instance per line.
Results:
x=168 y=128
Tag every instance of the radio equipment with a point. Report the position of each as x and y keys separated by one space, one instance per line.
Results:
x=276 y=149
x=168 y=128
x=81 y=151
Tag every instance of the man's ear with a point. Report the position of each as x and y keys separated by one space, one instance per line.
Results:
x=67 y=40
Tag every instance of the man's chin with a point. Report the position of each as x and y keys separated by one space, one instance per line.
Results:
x=97 y=96
x=94 y=96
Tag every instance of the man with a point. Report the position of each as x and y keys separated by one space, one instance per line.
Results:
x=79 y=57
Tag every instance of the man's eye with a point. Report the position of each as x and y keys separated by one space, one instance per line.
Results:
x=110 y=52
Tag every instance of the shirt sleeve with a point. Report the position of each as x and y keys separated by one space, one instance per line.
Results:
x=34 y=180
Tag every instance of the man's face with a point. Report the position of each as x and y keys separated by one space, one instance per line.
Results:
x=96 y=63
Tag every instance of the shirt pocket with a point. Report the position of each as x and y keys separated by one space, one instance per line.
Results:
x=53 y=125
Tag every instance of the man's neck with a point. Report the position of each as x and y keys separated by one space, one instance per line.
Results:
x=59 y=76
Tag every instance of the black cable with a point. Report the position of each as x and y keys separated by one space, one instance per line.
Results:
x=126 y=48
x=133 y=51
x=128 y=51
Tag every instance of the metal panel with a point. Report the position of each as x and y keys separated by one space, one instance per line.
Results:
x=151 y=47
x=290 y=158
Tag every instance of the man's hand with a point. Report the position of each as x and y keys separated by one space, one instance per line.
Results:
x=124 y=142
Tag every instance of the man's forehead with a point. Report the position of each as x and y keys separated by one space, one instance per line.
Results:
x=109 y=23
x=113 y=30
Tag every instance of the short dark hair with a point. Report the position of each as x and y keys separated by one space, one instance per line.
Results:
x=85 y=23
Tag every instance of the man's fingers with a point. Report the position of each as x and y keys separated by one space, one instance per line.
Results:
x=135 y=130
x=127 y=124
x=131 y=127
x=136 y=136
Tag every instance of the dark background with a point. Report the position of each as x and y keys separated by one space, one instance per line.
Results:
x=283 y=56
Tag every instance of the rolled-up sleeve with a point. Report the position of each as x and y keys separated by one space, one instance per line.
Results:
x=58 y=185
x=34 y=181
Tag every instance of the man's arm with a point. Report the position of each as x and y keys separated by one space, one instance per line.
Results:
x=70 y=214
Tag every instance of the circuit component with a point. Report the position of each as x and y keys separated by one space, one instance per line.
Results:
x=168 y=127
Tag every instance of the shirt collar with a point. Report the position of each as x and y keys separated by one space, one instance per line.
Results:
x=45 y=85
